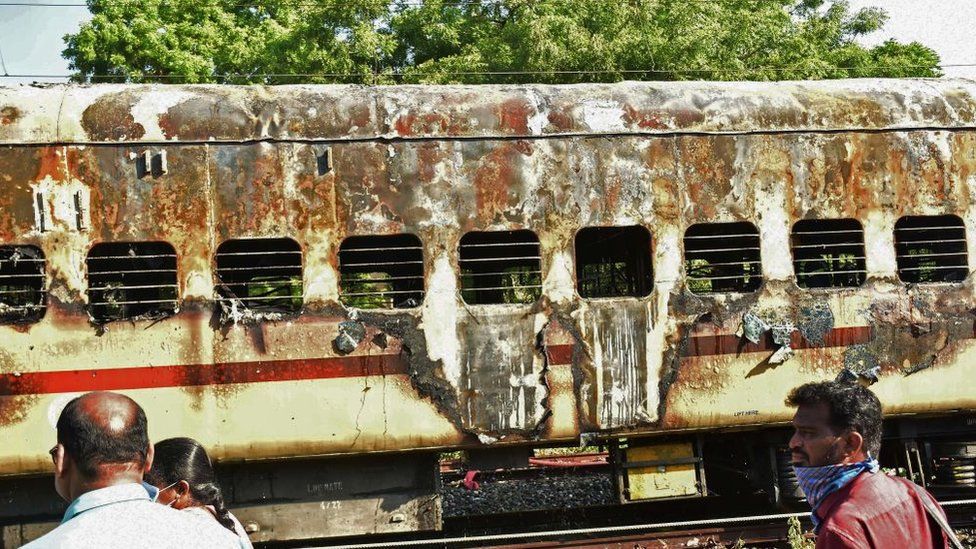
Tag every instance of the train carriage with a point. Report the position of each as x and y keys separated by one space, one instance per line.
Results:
x=327 y=285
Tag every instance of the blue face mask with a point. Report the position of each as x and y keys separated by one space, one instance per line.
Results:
x=819 y=482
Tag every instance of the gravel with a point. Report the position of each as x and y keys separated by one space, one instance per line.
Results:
x=531 y=494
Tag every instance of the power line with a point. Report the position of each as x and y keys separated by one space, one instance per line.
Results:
x=401 y=74
x=445 y=3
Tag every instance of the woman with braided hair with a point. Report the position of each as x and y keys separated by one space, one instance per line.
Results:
x=185 y=477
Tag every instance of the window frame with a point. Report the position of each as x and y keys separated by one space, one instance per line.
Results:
x=219 y=283
x=422 y=277
x=758 y=250
x=525 y=243
x=863 y=260
x=651 y=281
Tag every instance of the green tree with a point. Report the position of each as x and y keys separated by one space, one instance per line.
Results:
x=197 y=41
x=562 y=41
x=480 y=41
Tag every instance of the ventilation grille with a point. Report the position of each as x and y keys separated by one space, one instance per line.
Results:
x=722 y=257
x=261 y=274
x=828 y=253
x=128 y=280
x=381 y=272
x=500 y=267
x=613 y=262
x=22 y=292
x=931 y=249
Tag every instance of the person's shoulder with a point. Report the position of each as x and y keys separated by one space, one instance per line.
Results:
x=875 y=492
x=134 y=524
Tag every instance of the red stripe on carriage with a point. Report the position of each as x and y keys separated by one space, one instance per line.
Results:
x=731 y=344
x=189 y=375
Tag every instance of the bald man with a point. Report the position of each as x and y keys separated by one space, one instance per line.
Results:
x=102 y=452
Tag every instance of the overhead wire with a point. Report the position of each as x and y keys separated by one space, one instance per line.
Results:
x=421 y=74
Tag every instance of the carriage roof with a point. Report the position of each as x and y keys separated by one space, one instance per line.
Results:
x=109 y=113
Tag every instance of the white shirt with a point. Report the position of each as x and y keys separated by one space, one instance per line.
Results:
x=125 y=517
x=208 y=512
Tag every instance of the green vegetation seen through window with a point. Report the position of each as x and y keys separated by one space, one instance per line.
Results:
x=722 y=257
x=931 y=248
x=22 y=292
x=128 y=280
x=381 y=272
x=613 y=262
x=500 y=267
x=261 y=274
x=828 y=253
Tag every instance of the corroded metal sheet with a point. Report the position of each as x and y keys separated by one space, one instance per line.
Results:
x=319 y=163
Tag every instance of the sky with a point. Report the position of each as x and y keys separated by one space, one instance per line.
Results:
x=31 y=37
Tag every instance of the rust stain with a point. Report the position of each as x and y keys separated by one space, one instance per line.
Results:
x=514 y=116
x=110 y=119
x=9 y=115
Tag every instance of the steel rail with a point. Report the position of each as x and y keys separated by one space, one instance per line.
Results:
x=585 y=531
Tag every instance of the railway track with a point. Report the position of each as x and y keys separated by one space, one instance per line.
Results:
x=769 y=530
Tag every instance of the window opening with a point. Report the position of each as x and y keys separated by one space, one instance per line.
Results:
x=128 y=280
x=381 y=272
x=262 y=274
x=722 y=257
x=500 y=267
x=23 y=297
x=931 y=248
x=828 y=253
x=613 y=262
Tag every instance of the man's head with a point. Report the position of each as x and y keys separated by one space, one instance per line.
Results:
x=102 y=440
x=835 y=423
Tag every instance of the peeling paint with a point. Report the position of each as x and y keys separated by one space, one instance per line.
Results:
x=437 y=162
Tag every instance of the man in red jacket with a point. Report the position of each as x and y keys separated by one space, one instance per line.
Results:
x=837 y=436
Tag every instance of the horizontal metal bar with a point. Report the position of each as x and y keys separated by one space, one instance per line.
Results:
x=497 y=259
x=503 y=273
x=384 y=249
x=935 y=228
x=346 y=265
x=377 y=280
x=725 y=277
x=25 y=275
x=143 y=302
x=25 y=291
x=264 y=283
x=512 y=287
x=941 y=241
x=722 y=264
x=821 y=273
x=259 y=268
x=949 y=254
x=822 y=260
x=261 y=298
x=839 y=231
x=719 y=250
x=131 y=257
x=236 y=254
x=500 y=245
x=710 y=236
x=123 y=288
x=829 y=245
x=160 y=272
x=937 y=268
x=23 y=260
x=391 y=292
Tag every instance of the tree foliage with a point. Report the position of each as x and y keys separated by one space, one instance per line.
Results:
x=480 y=41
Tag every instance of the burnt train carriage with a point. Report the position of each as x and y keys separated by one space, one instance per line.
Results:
x=306 y=275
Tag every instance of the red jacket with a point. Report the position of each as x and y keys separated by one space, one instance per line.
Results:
x=876 y=511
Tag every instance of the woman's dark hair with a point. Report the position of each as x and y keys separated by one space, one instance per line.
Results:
x=183 y=458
